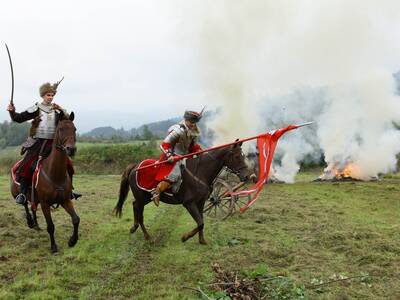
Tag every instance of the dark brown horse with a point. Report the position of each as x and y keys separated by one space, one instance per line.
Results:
x=197 y=179
x=54 y=184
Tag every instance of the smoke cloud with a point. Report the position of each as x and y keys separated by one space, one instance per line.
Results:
x=268 y=64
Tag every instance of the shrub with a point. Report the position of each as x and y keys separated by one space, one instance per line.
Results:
x=111 y=159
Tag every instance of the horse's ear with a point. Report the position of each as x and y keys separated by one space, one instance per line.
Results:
x=237 y=144
x=71 y=116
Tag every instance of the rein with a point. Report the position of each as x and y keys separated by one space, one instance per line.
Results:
x=61 y=148
x=200 y=160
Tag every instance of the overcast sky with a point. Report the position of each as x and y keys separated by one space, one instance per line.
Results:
x=128 y=62
x=124 y=62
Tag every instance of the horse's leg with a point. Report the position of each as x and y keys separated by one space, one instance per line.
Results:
x=139 y=207
x=50 y=226
x=69 y=207
x=35 y=222
x=200 y=206
x=136 y=218
x=194 y=212
x=29 y=220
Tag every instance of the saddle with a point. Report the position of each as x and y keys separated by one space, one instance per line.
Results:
x=29 y=143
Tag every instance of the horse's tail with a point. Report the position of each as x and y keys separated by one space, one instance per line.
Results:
x=123 y=189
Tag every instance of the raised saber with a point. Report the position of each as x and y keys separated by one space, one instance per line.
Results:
x=12 y=76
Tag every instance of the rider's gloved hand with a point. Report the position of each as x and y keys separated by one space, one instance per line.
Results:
x=11 y=107
x=170 y=157
x=56 y=106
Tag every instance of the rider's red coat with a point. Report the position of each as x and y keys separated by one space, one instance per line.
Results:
x=166 y=168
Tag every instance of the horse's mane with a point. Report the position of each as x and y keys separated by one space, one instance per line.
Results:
x=208 y=157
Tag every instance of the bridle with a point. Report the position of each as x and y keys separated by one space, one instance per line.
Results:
x=225 y=161
x=229 y=161
x=62 y=148
x=60 y=145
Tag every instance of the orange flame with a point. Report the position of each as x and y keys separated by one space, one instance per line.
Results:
x=351 y=170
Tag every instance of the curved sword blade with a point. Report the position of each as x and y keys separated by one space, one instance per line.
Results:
x=12 y=75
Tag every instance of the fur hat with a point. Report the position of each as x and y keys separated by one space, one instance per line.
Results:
x=193 y=116
x=49 y=88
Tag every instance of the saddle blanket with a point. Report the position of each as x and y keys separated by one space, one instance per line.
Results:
x=14 y=170
x=146 y=179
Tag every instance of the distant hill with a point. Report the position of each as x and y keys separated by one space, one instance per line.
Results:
x=156 y=129
x=106 y=132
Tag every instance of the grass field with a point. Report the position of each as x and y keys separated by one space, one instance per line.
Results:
x=307 y=233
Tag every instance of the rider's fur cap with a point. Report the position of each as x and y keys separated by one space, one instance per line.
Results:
x=49 y=88
x=193 y=116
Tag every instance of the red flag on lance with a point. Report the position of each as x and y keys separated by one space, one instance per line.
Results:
x=266 y=144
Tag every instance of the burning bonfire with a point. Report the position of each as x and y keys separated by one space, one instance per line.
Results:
x=343 y=172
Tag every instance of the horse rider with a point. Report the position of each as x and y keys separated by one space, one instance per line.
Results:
x=180 y=140
x=45 y=116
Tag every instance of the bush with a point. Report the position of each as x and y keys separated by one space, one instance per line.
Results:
x=112 y=159
x=8 y=157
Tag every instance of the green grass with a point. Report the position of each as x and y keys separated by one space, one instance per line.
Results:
x=308 y=232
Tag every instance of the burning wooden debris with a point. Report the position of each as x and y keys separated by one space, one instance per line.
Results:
x=343 y=172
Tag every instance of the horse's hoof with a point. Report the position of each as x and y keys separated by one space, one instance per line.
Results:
x=30 y=223
x=133 y=229
x=54 y=249
x=147 y=237
x=72 y=242
x=184 y=238
x=37 y=228
x=203 y=242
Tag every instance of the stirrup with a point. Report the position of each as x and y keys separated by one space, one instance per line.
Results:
x=156 y=198
x=20 y=199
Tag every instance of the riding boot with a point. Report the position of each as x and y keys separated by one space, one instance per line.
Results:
x=74 y=195
x=23 y=189
x=161 y=187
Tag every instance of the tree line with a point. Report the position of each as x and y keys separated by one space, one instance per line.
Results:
x=13 y=134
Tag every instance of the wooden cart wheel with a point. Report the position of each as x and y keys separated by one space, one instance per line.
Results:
x=220 y=204
x=239 y=202
x=234 y=182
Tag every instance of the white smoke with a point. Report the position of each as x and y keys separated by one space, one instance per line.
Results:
x=268 y=64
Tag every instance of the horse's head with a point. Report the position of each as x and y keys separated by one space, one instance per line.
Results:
x=65 y=137
x=235 y=161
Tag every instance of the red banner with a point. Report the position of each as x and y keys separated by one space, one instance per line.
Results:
x=266 y=145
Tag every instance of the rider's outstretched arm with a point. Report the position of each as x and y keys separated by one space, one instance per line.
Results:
x=26 y=115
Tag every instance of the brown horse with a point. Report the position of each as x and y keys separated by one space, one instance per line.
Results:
x=54 y=184
x=197 y=179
